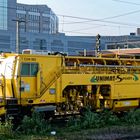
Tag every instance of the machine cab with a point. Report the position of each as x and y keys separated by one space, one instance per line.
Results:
x=28 y=79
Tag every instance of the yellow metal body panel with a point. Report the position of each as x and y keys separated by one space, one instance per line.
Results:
x=126 y=103
x=2 y=110
x=45 y=81
x=107 y=82
x=129 y=90
x=50 y=67
x=30 y=87
x=8 y=89
x=1 y=88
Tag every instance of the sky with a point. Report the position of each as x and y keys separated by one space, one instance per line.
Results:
x=92 y=17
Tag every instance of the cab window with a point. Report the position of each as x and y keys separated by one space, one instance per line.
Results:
x=29 y=69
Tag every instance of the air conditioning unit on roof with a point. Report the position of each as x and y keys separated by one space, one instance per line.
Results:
x=40 y=52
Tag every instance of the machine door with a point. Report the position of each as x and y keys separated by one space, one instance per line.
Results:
x=28 y=80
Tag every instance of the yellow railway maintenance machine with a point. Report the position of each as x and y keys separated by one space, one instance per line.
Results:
x=66 y=84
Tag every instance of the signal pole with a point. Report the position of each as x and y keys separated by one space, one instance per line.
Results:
x=17 y=37
x=98 y=46
x=18 y=21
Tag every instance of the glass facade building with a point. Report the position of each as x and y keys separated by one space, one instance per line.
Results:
x=39 y=31
x=3 y=14
x=38 y=19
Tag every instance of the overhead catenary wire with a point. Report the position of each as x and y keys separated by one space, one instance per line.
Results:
x=90 y=19
x=94 y=27
x=127 y=2
x=87 y=20
x=101 y=20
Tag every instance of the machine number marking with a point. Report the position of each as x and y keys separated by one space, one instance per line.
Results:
x=29 y=59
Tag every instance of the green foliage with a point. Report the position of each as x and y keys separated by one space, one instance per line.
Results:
x=94 y=120
x=105 y=119
x=6 y=129
x=34 y=125
x=132 y=117
x=109 y=118
x=91 y=120
x=97 y=120
x=38 y=126
x=74 y=124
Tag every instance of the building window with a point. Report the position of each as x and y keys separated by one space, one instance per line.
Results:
x=34 y=13
x=21 y=12
x=57 y=43
x=3 y=14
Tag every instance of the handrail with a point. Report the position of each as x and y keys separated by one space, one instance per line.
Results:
x=111 y=66
x=102 y=69
x=51 y=77
x=3 y=88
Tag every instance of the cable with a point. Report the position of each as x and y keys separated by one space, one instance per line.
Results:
x=126 y=2
x=79 y=33
x=94 y=27
x=98 y=20
x=91 y=20
x=103 y=20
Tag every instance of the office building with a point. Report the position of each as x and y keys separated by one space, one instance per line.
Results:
x=37 y=19
x=38 y=29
